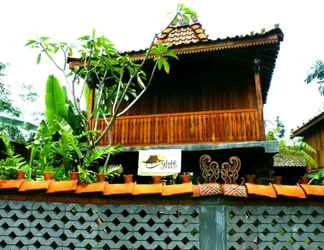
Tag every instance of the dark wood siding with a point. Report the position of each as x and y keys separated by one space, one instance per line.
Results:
x=315 y=137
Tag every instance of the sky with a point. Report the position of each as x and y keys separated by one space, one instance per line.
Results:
x=132 y=24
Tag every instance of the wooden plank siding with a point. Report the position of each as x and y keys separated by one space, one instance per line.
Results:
x=315 y=138
x=188 y=127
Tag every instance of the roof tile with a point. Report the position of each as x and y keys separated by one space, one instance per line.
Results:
x=118 y=189
x=90 y=188
x=62 y=186
x=294 y=191
x=34 y=185
x=261 y=190
x=147 y=189
x=182 y=34
x=177 y=189
x=10 y=184
x=313 y=190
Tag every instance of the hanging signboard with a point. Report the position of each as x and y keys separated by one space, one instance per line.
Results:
x=160 y=162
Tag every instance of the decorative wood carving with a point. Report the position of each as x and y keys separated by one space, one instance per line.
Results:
x=230 y=170
x=211 y=170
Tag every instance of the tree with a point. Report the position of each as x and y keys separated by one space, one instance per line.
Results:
x=117 y=80
x=317 y=75
x=10 y=122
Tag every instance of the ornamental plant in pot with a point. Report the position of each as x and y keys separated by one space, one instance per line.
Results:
x=109 y=172
x=48 y=173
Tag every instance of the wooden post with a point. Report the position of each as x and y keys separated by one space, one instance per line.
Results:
x=258 y=90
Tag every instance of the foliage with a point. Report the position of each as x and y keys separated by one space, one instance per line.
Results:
x=10 y=121
x=300 y=148
x=12 y=163
x=117 y=80
x=184 y=15
x=54 y=102
x=69 y=136
x=317 y=177
x=6 y=105
x=317 y=74
x=86 y=176
x=111 y=171
x=296 y=146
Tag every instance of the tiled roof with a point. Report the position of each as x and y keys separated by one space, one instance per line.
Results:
x=134 y=189
x=288 y=160
x=182 y=35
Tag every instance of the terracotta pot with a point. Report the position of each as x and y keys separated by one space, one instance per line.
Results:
x=74 y=176
x=250 y=178
x=303 y=180
x=20 y=175
x=185 y=178
x=128 y=178
x=156 y=179
x=48 y=176
x=101 y=178
x=277 y=180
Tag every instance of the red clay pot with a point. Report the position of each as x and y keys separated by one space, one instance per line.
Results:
x=20 y=175
x=48 y=176
x=128 y=178
x=303 y=180
x=156 y=179
x=101 y=178
x=185 y=178
x=74 y=176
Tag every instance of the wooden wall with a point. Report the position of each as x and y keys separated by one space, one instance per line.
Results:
x=202 y=100
x=193 y=87
x=315 y=137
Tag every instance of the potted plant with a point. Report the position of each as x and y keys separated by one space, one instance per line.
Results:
x=48 y=173
x=86 y=176
x=108 y=172
x=128 y=178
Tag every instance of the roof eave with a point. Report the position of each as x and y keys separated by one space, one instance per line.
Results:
x=300 y=131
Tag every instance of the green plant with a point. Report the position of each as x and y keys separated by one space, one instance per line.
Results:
x=114 y=80
x=317 y=177
x=111 y=171
x=86 y=176
x=301 y=149
x=12 y=163
x=292 y=148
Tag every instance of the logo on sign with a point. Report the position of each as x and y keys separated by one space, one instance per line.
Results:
x=159 y=162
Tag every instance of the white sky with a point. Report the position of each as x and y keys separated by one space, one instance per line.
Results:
x=132 y=24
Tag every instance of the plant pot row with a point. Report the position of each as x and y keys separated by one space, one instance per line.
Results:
x=101 y=177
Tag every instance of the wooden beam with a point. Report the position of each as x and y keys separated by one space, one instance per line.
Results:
x=258 y=90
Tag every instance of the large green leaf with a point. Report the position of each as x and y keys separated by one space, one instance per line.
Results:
x=55 y=98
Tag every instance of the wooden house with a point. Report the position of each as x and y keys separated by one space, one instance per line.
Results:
x=211 y=103
x=214 y=93
x=212 y=100
x=313 y=133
